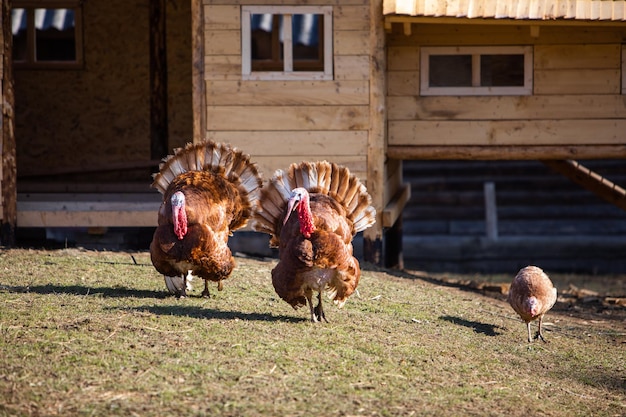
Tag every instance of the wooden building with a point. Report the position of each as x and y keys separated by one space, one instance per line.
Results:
x=365 y=83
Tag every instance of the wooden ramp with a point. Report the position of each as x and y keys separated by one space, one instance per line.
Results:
x=590 y=180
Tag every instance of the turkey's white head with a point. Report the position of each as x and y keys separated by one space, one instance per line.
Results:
x=179 y=216
x=299 y=201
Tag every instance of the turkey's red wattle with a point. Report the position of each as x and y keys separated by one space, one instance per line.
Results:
x=180 y=222
x=305 y=218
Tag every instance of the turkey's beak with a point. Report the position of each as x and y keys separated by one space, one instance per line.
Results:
x=292 y=205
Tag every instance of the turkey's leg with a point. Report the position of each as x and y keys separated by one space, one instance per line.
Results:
x=530 y=339
x=308 y=299
x=539 y=335
x=206 y=293
x=319 y=311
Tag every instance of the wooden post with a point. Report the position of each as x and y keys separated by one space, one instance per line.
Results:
x=158 y=81
x=393 y=246
x=8 y=166
x=372 y=242
x=491 y=211
x=197 y=70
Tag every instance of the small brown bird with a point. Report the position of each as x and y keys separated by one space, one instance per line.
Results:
x=532 y=295
x=312 y=212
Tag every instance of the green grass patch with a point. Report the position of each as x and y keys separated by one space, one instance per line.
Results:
x=94 y=333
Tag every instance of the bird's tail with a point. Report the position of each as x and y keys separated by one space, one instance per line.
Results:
x=323 y=177
x=219 y=158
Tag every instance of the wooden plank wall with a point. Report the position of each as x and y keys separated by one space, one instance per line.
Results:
x=576 y=99
x=280 y=122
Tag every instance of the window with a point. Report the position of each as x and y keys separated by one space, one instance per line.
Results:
x=287 y=43
x=476 y=70
x=46 y=37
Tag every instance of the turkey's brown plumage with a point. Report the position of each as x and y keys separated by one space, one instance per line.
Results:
x=330 y=206
x=209 y=190
x=532 y=295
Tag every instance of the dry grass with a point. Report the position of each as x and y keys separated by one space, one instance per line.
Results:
x=94 y=333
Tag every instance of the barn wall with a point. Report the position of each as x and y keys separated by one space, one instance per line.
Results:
x=280 y=122
x=100 y=114
x=576 y=98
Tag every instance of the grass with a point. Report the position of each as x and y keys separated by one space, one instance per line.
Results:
x=94 y=333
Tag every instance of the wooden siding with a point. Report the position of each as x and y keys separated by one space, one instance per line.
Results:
x=280 y=122
x=576 y=99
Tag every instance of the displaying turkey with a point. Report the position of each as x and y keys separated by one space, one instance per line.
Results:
x=209 y=190
x=312 y=212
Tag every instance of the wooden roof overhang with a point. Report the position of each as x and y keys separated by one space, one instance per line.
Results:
x=504 y=12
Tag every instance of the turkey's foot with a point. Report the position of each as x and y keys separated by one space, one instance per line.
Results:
x=205 y=292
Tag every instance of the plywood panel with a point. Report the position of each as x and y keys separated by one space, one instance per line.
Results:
x=222 y=17
x=267 y=165
x=287 y=92
x=577 y=81
x=339 y=143
x=350 y=18
x=288 y=117
x=544 y=132
x=403 y=83
x=403 y=58
x=351 y=42
x=577 y=56
x=352 y=67
x=222 y=67
x=222 y=42
x=506 y=107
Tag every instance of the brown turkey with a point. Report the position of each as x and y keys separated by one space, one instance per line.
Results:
x=209 y=190
x=531 y=295
x=312 y=212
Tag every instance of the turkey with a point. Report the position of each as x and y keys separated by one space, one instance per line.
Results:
x=209 y=190
x=312 y=212
x=531 y=295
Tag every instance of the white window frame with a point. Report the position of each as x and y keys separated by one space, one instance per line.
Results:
x=476 y=89
x=288 y=73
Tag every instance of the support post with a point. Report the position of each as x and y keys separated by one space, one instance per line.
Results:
x=393 y=246
x=159 y=146
x=372 y=237
x=491 y=211
x=8 y=165
x=197 y=70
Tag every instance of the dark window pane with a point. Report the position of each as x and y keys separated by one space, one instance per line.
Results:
x=18 y=27
x=308 y=43
x=266 y=43
x=55 y=35
x=502 y=70
x=450 y=71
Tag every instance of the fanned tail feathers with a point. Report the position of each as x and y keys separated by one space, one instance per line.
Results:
x=219 y=158
x=316 y=177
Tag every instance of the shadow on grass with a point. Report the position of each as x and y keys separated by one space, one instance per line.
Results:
x=486 y=329
x=115 y=292
x=209 y=313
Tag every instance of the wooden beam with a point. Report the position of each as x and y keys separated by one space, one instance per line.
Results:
x=373 y=236
x=159 y=146
x=392 y=212
x=197 y=70
x=590 y=180
x=507 y=153
x=8 y=165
